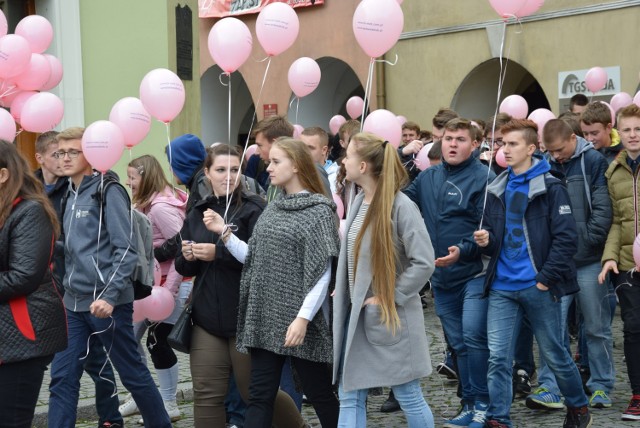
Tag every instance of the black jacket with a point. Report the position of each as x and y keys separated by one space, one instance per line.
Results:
x=217 y=286
x=32 y=318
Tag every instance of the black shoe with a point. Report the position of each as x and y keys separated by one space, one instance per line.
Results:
x=444 y=370
x=521 y=383
x=391 y=405
x=577 y=417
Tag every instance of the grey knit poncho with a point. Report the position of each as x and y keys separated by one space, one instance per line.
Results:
x=288 y=252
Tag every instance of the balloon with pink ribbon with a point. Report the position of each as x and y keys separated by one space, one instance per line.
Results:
x=620 y=100
x=162 y=94
x=132 y=118
x=230 y=43
x=377 y=25
x=515 y=106
x=385 y=125
x=277 y=28
x=15 y=55
x=304 y=76
x=56 y=73
x=37 y=30
x=102 y=145
x=35 y=75
x=354 y=107
x=335 y=123
x=42 y=112
x=596 y=79
x=7 y=126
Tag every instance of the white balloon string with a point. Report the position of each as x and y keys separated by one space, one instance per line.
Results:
x=7 y=91
x=297 y=107
x=367 y=93
x=229 y=113
x=107 y=353
x=388 y=62
x=255 y=110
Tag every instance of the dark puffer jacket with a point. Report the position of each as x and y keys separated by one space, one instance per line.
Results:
x=32 y=318
x=217 y=285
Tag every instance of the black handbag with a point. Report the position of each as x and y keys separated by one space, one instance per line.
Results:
x=180 y=336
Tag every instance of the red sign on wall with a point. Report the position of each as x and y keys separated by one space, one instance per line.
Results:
x=222 y=8
x=269 y=110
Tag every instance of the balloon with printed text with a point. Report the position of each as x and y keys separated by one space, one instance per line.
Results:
x=304 y=76
x=132 y=118
x=515 y=106
x=102 y=145
x=162 y=94
x=385 y=125
x=230 y=43
x=277 y=28
x=377 y=25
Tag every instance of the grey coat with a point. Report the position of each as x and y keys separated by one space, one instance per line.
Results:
x=373 y=356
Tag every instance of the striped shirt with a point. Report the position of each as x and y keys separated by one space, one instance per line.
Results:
x=351 y=243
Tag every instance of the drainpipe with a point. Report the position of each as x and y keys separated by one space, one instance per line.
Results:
x=381 y=85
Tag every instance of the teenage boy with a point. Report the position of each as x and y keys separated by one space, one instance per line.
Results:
x=56 y=185
x=266 y=132
x=450 y=196
x=597 y=127
x=529 y=232
x=99 y=260
x=584 y=169
x=410 y=147
x=317 y=141
x=624 y=185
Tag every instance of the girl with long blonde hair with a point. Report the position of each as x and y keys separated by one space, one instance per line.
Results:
x=385 y=259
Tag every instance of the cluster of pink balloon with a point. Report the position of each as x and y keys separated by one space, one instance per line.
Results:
x=162 y=96
x=622 y=100
x=516 y=8
x=25 y=70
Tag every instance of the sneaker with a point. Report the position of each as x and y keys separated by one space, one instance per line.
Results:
x=444 y=370
x=129 y=407
x=462 y=419
x=479 y=415
x=172 y=410
x=600 y=400
x=633 y=411
x=542 y=399
x=391 y=405
x=521 y=383
x=495 y=424
x=577 y=417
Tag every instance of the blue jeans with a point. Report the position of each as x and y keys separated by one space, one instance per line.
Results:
x=506 y=309
x=523 y=357
x=463 y=313
x=116 y=334
x=353 y=412
x=103 y=377
x=593 y=301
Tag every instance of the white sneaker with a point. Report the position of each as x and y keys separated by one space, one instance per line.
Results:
x=172 y=410
x=129 y=407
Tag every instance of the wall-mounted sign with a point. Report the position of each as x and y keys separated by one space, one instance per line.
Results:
x=572 y=82
x=222 y=8
x=269 y=110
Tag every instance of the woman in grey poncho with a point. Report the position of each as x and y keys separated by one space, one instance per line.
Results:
x=283 y=293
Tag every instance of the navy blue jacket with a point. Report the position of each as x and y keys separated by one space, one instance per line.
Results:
x=549 y=229
x=451 y=200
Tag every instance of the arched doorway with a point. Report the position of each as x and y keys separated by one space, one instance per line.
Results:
x=476 y=95
x=214 y=97
x=338 y=83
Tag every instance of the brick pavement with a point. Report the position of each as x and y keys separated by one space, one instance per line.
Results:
x=440 y=394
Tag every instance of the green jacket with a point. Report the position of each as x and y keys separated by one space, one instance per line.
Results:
x=625 y=196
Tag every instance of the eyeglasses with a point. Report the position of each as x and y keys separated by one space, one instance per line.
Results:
x=498 y=142
x=627 y=131
x=73 y=154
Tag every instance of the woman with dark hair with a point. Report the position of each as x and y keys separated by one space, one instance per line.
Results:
x=285 y=279
x=32 y=318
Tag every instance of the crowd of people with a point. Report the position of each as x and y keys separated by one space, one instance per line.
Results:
x=287 y=298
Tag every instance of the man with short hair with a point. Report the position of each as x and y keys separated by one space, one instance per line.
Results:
x=622 y=177
x=266 y=132
x=410 y=147
x=317 y=141
x=529 y=231
x=99 y=260
x=450 y=197
x=597 y=126
x=442 y=117
x=583 y=169
x=577 y=103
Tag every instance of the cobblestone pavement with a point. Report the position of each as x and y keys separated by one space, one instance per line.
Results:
x=440 y=394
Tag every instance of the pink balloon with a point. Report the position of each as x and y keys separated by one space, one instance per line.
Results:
x=500 y=159
x=613 y=112
x=377 y=25
x=620 y=100
x=304 y=75
x=251 y=150
x=132 y=118
x=530 y=7
x=4 y=27
x=42 y=112
x=18 y=104
x=162 y=94
x=230 y=43
x=277 y=28
x=541 y=116
x=157 y=273
x=335 y=123
x=354 y=107
x=507 y=8
x=339 y=205
x=102 y=144
x=36 y=74
x=636 y=99
x=343 y=228
x=160 y=304
x=56 y=73
x=38 y=32
x=596 y=79
x=422 y=158
x=15 y=55
x=384 y=124
x=636 y=252
x=401 y=119
x=10 y=94
x=297 y=130
x=515 y=106
x=139 y=310
x=7 y=126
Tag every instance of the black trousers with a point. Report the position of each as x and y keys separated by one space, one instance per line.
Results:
x=628 y=291
x=20 y=384
x=266 y=368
